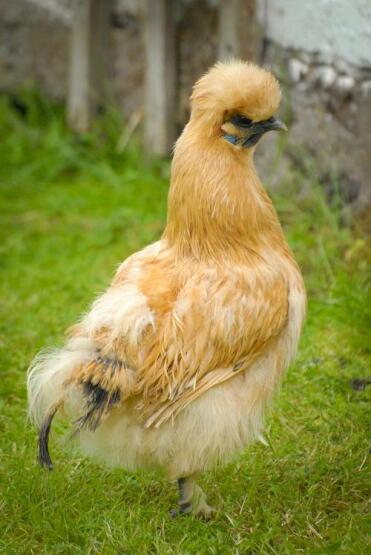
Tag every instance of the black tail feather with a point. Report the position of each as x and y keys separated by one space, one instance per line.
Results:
x=99 y=401
x=44 y=456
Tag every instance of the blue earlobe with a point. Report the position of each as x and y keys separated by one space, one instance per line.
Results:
x=232 y=139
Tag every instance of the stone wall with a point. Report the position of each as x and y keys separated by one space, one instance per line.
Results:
x=328 y=106
x=334 y=29
x=321 y=50
x=317 y=48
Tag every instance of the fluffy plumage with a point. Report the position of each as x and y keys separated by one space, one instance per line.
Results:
x=173 y=365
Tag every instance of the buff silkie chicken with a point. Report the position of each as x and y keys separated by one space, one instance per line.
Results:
x=173 y=365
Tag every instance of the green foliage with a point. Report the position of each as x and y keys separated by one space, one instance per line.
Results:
x=71 y=210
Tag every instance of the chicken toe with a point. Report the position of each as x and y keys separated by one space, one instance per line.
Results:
x=192 y=500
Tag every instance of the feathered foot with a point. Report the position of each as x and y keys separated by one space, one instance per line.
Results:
x=192 y=500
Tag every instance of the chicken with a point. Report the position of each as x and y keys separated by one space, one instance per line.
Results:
x=173 y=365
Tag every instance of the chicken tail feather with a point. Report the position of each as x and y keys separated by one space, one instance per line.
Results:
x=99 y=402
x=44 y=456
x=49 y=383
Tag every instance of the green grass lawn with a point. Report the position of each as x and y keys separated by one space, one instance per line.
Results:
x=71 y=210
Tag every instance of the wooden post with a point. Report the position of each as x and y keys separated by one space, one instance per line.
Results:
x=87 y=61
x=99 y=38
x=240 y=34
x=160 y=77
x=228 y=29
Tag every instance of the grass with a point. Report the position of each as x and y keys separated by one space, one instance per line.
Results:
x=71 y=209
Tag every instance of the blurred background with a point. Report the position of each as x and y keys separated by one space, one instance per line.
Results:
x=92 y=96
x=143 y=57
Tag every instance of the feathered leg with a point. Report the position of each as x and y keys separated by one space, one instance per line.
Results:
x=192 y=499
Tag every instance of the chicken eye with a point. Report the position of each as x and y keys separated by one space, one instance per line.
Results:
x=241 y=121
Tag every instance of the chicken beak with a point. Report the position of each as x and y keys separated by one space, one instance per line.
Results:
x=258 y=129
x=274 y=124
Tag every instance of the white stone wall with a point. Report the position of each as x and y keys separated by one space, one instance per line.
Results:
x=335 y=29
